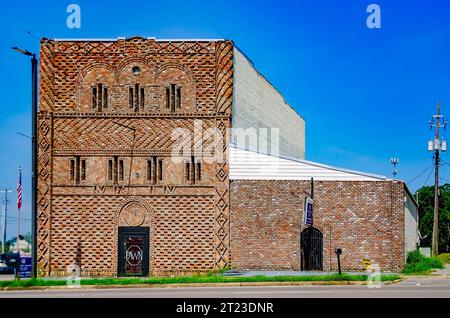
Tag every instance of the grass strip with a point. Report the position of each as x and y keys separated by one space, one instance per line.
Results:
x=193 y=279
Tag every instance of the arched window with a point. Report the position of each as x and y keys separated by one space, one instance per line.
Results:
x=99 y=97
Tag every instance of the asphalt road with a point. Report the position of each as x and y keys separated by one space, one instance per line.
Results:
x=415 y=288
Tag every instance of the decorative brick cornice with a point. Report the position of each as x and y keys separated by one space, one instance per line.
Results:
x=198 y=115
x=122 y=152
x=132 y=45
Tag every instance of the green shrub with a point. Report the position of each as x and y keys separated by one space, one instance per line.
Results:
x=445 y=258
x=423 y=266
x=414 y=257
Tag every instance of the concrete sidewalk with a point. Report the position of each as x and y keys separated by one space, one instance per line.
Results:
x=250 y=273
x=6 y=277
x=444 y=271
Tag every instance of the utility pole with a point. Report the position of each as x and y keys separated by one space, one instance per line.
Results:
x=437 y=145
x=6 y=191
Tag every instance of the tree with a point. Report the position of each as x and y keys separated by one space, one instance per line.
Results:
x=426 y=211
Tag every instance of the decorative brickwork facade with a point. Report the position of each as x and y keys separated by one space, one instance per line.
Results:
x=364 y=218
x=106 y=117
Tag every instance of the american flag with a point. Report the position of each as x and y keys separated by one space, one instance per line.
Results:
x=19 y=190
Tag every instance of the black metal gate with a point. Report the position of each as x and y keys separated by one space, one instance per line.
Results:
x=311 y=244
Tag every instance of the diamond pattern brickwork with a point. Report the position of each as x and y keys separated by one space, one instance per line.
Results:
x=78 y=223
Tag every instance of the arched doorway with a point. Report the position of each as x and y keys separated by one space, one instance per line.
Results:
x=133 y=257
x=311 y=245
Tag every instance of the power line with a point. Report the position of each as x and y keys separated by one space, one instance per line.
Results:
x=444 y=161
x=413 y=179
x=15 y=218
x=428 y=178
x=443 y=179
x=445 y=164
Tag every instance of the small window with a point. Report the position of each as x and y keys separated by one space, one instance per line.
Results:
x=154 y=172
x=121 y=170
x=167 y=97
x=110 y=169
x=94 y=97
x=130 y=100
x=160 y=169
x=116 y=170
x=178 y=98
x=136 y=97
x=99 y=96
x=142 y=97
x=198 y=171
x=83 y=169
x=173 y=97
x=105 y=97
x=187 y=171
x=192 y=170
x=136 y=70
x=149 y=170
x=72 y=169
x=77 y=170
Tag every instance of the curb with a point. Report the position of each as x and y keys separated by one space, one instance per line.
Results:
x=392 y=282
x=190 y=285
x=429 y=276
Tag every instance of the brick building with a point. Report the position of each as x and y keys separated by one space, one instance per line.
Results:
x=367 y=216
x=116 y=199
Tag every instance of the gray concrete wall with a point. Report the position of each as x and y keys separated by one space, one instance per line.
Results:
x=257 y=104
x=411 y=222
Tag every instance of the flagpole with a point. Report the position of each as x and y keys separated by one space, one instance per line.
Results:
x=18 y=231
x=19 y=204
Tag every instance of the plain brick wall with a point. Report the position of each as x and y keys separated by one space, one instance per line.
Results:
x=364 y=218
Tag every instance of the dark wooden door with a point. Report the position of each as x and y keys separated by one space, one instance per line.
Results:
x=133 y=251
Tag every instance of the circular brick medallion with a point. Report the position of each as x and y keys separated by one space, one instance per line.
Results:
x=133 y=214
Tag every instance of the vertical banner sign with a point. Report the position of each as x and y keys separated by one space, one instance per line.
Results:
x=308 y=211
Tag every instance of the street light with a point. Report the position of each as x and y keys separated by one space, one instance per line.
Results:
x=33 y=156
x=27 y=53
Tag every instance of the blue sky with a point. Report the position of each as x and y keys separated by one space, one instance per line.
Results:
x=366 y=94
